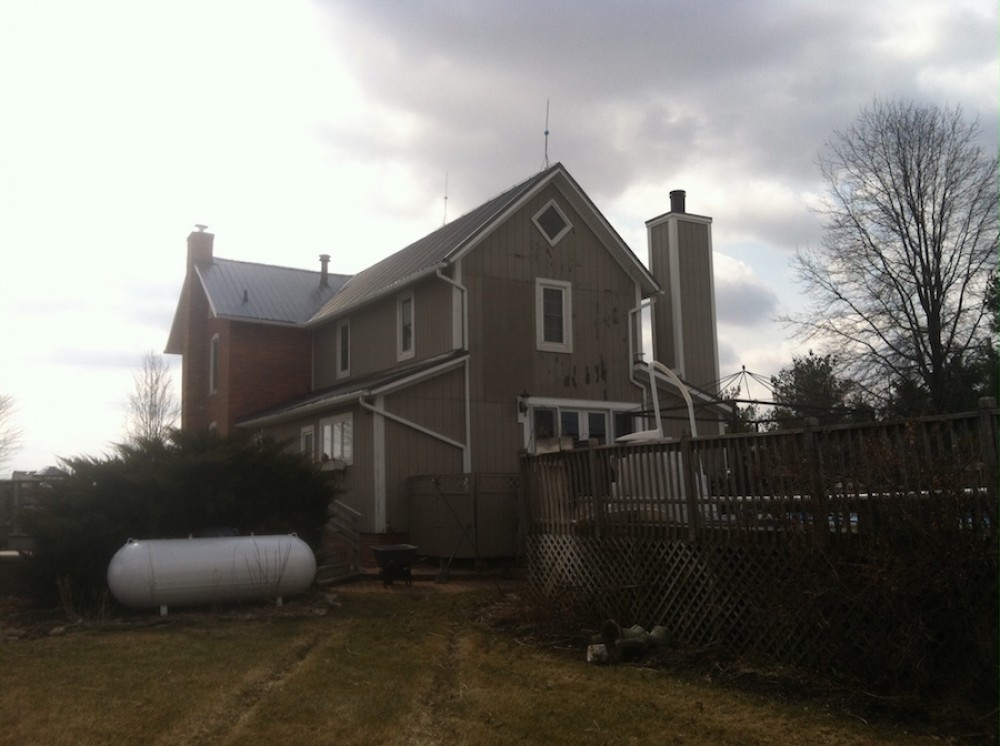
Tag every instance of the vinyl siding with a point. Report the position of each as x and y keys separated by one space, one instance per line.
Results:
x=664 y=342
x=438 y=405
x=501 y=275
x=373 y=333
x=696 y=303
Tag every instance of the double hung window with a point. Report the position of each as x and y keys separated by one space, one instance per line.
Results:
x=343 y=349
x=337 y=438
x=404 y=327
x=553 y=316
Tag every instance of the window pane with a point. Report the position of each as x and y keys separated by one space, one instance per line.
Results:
x=406 y=324
x=569 y=424
x=347 y=441
x=345 y=347
x=545 y=424
x=551 y=222
x=597 y=425
x=327 y=443
x=624 y=424
x=552 y=315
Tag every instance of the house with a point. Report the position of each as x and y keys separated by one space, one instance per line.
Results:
x=516 y=327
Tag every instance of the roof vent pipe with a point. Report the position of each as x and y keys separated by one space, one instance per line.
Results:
x=324 y=272
x=677 y=200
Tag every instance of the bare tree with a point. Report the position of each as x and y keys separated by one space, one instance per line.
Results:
x=10 y=433
x=153 y=408
x=911 y=228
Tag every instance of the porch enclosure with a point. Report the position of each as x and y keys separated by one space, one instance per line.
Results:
x=866 y=549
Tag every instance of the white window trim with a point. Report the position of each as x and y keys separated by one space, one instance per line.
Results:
x=582 y=406
x=214 y=355
x=567 y=307
x=343 y=371
x=566 y=228
x=333 y=422
x=402 y=354
x=308 y=432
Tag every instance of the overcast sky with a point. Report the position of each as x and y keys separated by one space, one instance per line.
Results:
x=298 y=128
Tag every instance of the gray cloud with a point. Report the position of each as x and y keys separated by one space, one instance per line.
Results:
x=638 y=89
x=744 y=303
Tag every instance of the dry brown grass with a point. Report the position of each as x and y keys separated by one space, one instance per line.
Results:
x=388 y=666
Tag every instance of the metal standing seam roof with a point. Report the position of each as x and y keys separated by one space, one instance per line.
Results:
x=428 y=253
x=281 y=295
x=265 y=293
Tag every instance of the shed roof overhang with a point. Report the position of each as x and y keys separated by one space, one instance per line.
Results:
x=365 y=388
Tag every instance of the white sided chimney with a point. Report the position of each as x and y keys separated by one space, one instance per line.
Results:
x=684 y=324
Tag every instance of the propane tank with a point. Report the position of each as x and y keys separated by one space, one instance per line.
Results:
x=166 y=572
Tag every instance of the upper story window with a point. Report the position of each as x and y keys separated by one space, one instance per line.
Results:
x=213 y=364
x=552 y=222
x=343 y=349
x=553 y=316
x=404 y=327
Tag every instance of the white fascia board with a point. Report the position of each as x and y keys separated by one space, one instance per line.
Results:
x=388 y=290
x=554 y=402
x=496 y=220
x=294 y=413
x=623 y=248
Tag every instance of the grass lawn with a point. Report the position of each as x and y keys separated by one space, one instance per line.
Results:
x=388 y=666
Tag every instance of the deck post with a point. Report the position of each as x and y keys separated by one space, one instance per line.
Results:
x=690 y=487
x=814 y=462
x=988 y=442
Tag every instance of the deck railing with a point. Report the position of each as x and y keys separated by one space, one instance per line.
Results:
x=754 y=487
x=851 y=546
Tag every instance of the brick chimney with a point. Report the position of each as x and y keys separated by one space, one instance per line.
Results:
x=200 y=245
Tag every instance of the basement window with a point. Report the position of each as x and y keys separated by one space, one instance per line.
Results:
x=552 y=222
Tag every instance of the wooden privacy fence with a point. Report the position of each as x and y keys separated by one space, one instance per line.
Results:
x=715 y=537
x=469 y=516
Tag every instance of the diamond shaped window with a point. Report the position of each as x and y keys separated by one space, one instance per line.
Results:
x=552 y=222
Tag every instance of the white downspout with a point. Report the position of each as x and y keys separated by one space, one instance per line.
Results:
x=464 y=346
x=412 y=425
x=378 y=466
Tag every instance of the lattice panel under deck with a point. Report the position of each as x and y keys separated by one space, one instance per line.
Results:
x=711 y=595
